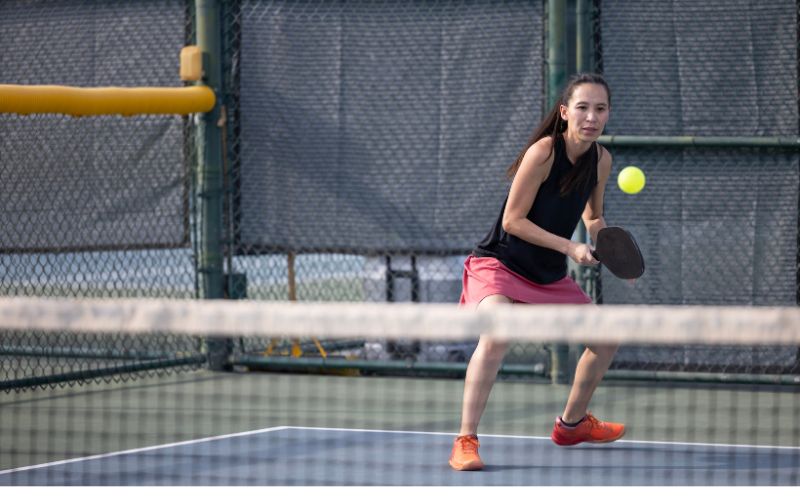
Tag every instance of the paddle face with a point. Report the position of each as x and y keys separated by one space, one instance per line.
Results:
x=618 y=251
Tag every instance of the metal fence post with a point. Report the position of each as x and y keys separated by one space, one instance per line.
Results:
x=209 y=200
x=556 y=77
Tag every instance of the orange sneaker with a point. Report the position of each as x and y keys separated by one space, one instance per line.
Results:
x=465 y=453
x=589 y=430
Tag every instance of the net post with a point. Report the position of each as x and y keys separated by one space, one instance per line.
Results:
x=210 y=171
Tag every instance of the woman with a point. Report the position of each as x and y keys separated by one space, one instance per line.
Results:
x=559 y=176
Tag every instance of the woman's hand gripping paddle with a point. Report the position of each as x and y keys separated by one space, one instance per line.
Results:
x=617 y=250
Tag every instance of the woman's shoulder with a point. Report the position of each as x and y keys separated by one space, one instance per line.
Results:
x=542 y=150
x=539 y=157
x=545 y=142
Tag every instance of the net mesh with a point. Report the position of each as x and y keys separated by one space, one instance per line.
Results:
x=355 y=423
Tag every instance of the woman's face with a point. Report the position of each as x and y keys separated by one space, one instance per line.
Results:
x=586 y=112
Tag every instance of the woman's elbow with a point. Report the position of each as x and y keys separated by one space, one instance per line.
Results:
x=592 y=220
x=508 y=225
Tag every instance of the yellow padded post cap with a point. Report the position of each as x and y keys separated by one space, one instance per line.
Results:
x=191 y=64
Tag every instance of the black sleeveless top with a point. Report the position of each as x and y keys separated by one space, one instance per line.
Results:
x=550 y=211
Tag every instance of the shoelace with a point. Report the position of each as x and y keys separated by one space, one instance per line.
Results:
x=469 y=444
x=593 y=421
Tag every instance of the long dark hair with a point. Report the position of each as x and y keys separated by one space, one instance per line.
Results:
x=552 y=125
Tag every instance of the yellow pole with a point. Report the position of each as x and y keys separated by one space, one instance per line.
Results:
x=86 y=101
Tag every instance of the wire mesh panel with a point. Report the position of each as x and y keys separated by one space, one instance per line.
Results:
x=93 y=183
x=373 y=140
x=717 y=225
x=735 y=209
x=381 y=126
x=701 y=68
x=94 y=206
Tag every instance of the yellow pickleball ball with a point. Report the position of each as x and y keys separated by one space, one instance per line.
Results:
x=631 y=179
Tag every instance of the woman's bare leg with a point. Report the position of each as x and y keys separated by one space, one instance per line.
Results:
x=481 y=373
x=590 y=371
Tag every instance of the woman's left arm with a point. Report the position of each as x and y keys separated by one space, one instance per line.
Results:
x=593 y=213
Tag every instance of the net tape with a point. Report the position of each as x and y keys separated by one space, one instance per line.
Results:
x=562 y=323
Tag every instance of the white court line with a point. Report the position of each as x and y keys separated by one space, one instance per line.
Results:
x=547 y=438
x=141 y=450
x=337 y=429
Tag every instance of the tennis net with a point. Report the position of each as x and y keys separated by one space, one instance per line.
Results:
x=318 y=413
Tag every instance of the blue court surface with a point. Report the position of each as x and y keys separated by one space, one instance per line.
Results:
x=318 y=456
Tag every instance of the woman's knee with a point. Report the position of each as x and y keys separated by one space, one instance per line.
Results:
x=604 y=351
x=488 y=347
x=492 y=348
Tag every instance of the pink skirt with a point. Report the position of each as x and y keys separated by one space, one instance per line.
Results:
x=484 y=276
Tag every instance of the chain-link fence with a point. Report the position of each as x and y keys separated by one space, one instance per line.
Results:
x=93 y=206
x=373 y=141
x=717 y=224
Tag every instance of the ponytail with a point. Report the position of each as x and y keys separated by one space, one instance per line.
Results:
x=551 y=126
